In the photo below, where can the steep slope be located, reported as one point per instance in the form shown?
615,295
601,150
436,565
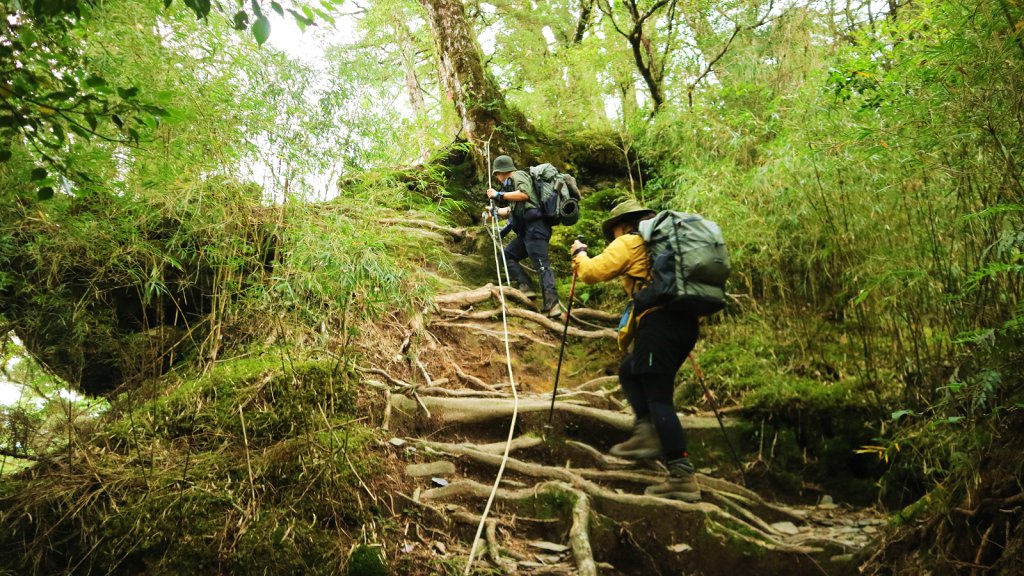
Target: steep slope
454,402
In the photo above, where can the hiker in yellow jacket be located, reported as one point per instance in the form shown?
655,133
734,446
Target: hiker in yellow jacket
663,340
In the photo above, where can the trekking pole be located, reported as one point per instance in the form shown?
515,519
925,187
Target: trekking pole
714,407
561,351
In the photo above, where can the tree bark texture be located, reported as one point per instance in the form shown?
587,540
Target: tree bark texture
583,24
412,83
476,98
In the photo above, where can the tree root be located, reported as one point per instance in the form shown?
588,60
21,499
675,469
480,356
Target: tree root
745,523
595,315
470,410
599,459
546,322
448,392
601,505
598,383
579,534
711,518
514,336
481,294
490,291
494,551
472,380
989,504
518,443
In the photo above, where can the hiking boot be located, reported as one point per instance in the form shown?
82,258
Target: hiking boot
642,445
551,306
554,310
527,291
680,484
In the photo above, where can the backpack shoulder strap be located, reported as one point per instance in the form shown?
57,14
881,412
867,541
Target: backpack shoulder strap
639,280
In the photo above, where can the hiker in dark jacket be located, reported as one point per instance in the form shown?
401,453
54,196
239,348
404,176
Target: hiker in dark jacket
518,202
663,340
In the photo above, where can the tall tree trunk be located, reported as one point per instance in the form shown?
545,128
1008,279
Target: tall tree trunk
627,91
477,100
412,84
648,59
586,11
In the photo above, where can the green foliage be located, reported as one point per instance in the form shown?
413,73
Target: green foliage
53,98
157,501
876,196
280,543
174,520
864,167
775,366
178,249
266,399
366,561
260,28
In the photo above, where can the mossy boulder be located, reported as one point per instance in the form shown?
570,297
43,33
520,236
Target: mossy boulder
259,401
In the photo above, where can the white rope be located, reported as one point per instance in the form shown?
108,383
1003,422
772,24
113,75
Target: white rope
495,242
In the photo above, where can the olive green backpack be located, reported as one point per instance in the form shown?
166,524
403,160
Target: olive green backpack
689,264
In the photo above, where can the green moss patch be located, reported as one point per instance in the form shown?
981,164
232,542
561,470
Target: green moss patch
258,401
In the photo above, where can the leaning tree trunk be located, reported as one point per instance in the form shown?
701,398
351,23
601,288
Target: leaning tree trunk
407,51
480,104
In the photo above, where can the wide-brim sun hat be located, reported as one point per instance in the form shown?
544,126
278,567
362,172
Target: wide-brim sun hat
624,210
503,164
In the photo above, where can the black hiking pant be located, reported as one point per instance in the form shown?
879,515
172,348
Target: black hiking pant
532,242
664,339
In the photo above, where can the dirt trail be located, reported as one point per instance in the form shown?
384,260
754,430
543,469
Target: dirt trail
563,506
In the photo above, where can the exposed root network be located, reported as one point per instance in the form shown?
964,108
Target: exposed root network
563,505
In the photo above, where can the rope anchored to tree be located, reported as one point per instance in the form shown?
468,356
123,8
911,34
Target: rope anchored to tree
499,265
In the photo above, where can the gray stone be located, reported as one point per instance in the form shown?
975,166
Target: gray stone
786,528
549,546
826,503
680,548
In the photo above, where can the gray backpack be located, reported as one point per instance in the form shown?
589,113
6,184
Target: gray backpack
557,194
689,264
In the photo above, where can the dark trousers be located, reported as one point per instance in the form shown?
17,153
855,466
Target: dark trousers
532,242
664,339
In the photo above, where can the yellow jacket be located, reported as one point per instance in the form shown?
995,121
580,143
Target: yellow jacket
625,257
